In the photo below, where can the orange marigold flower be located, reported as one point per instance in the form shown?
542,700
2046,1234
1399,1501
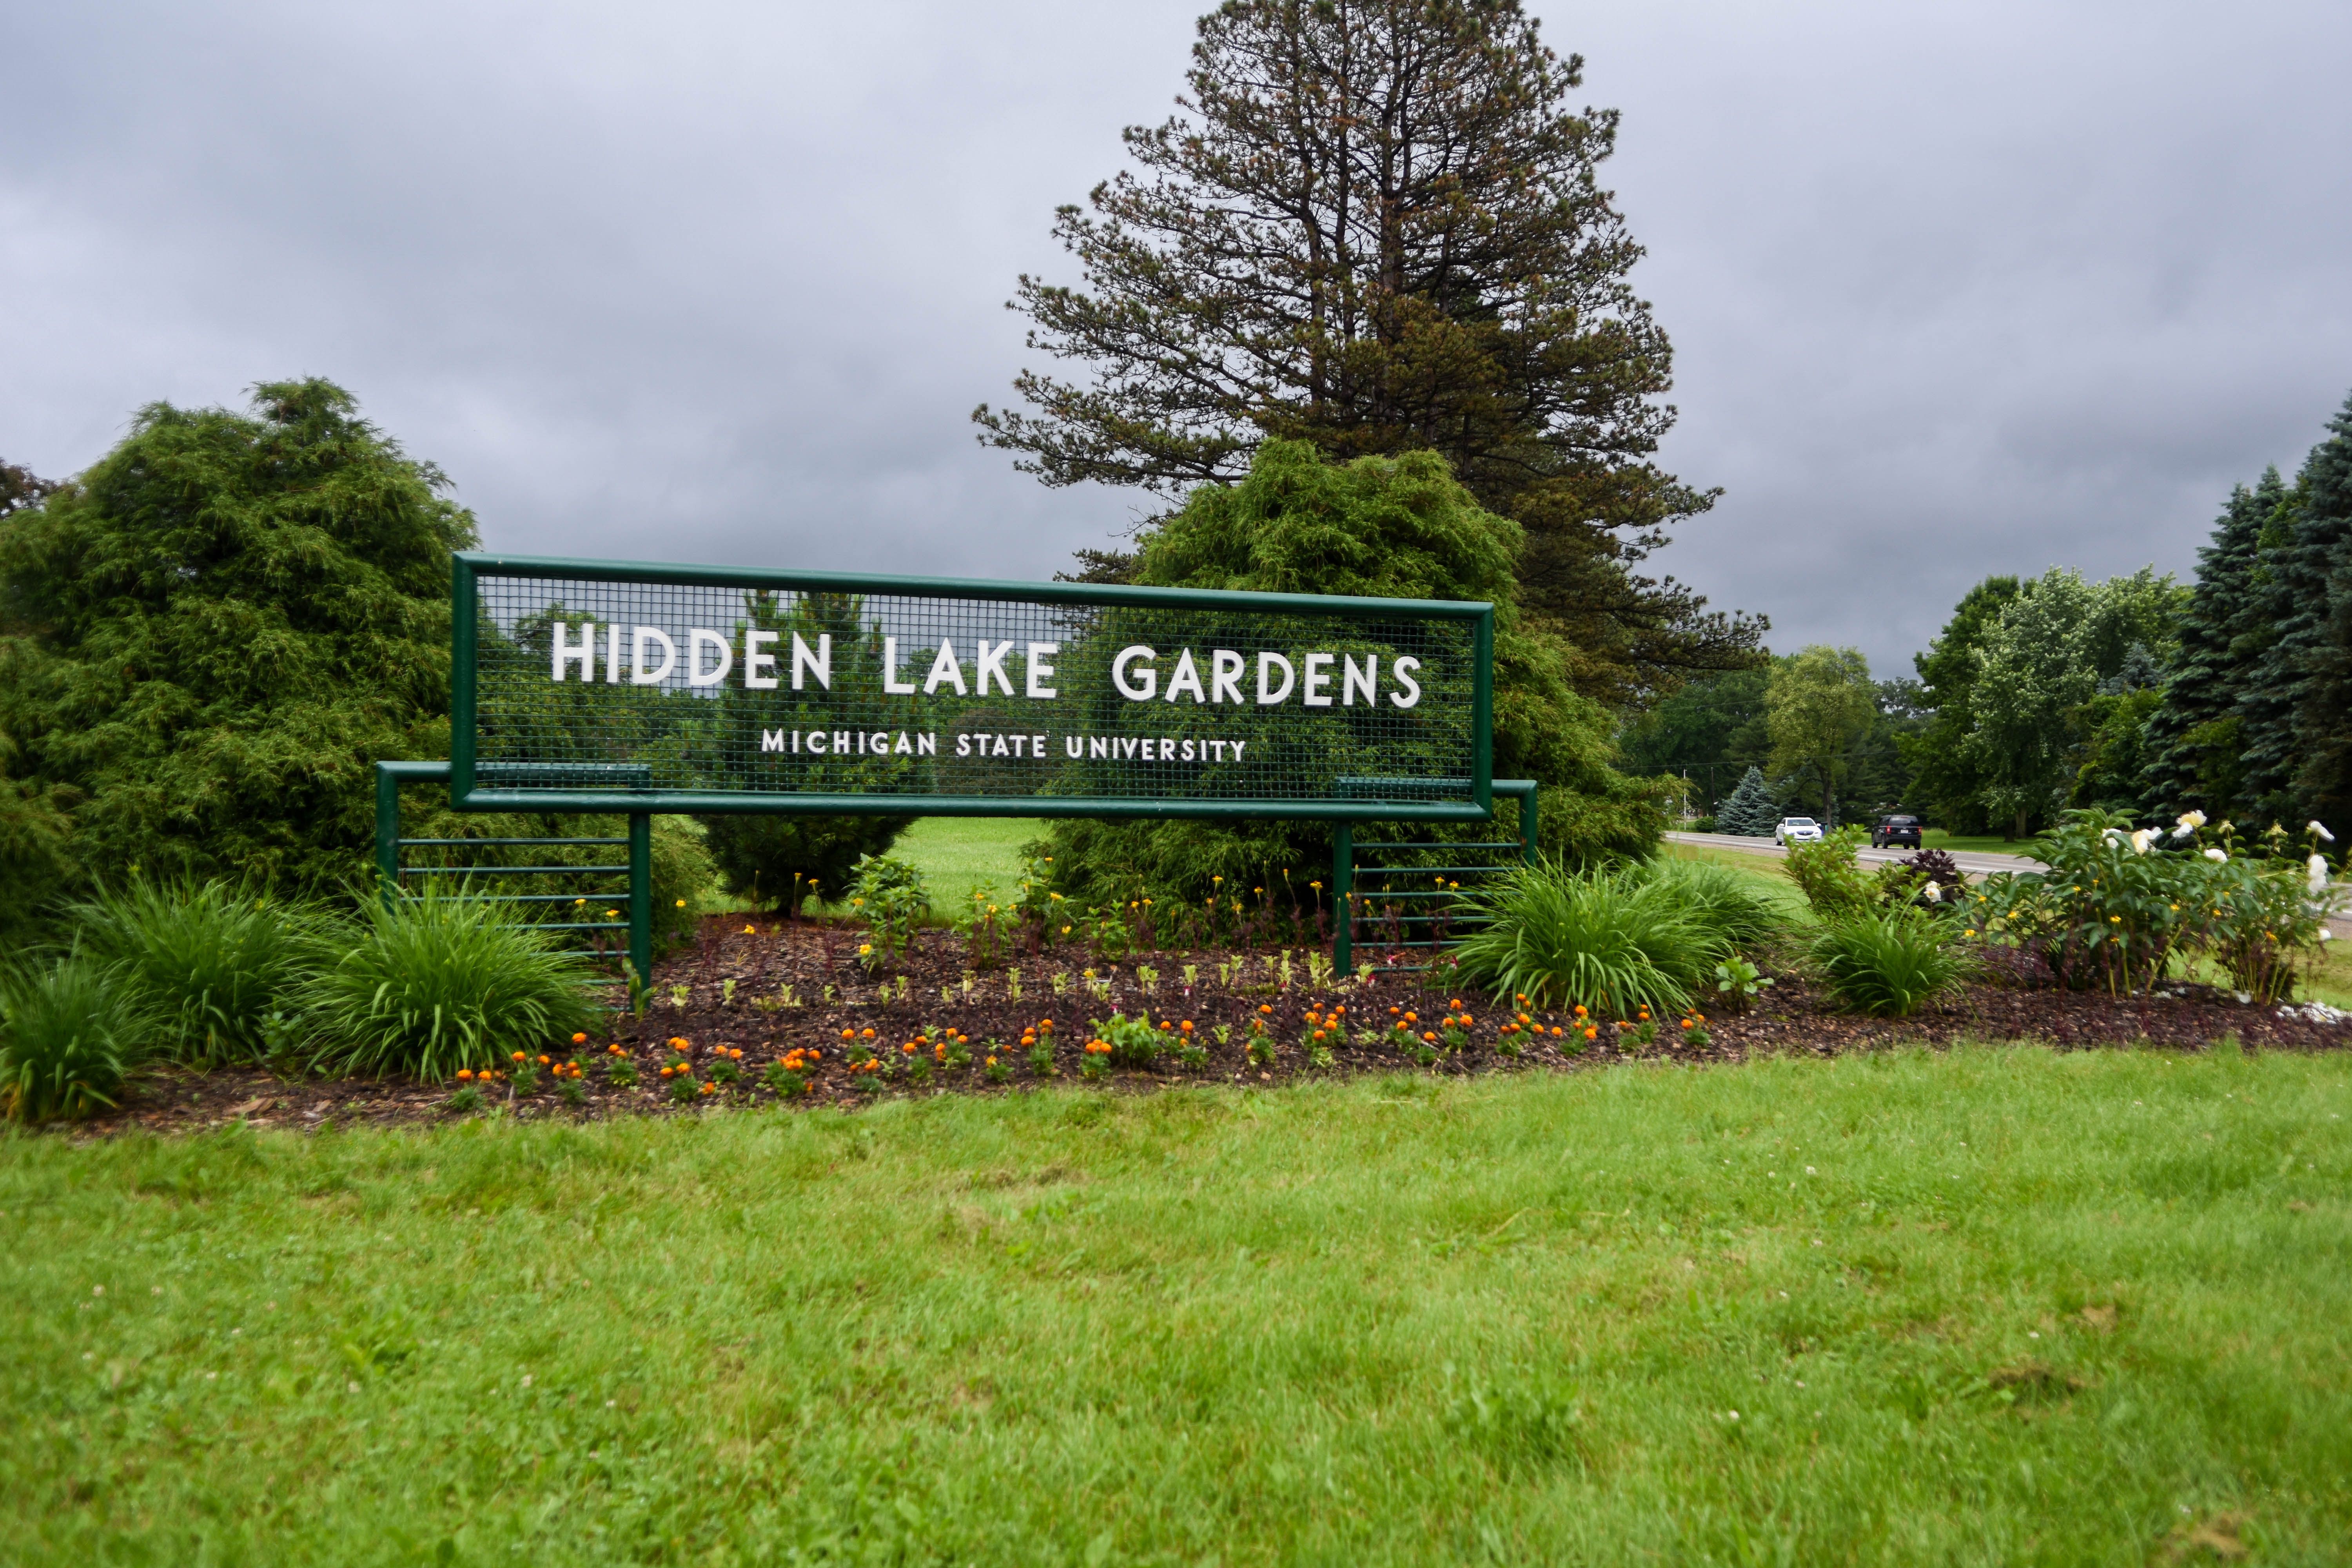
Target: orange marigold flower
1429,1037
518,1055
845,1034
1266,1007
1185,1027
579,1039
465,1074
735,1055
865,1033
1412,1017
542,1060
1580,1009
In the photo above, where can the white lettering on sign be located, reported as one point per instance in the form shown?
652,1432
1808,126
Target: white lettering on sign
1141,689
585,655
649,656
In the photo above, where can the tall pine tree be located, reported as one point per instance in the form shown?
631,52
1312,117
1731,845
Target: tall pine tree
1751,812
1379,226
2282,712
2193,738
2324,715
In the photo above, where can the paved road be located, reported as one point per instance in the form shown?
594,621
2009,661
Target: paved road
1975,862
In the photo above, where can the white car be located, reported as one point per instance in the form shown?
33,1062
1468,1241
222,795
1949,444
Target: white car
1797,830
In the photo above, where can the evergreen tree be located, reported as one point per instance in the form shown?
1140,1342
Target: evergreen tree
2324,715
1384,526
1751,812
2304,550
2192,739
1378,226
209,639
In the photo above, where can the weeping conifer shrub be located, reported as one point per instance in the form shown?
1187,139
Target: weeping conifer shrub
440,982
1890,962
1612,942
217,966
70,1034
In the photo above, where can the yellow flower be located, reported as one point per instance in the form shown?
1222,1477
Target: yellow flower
681,903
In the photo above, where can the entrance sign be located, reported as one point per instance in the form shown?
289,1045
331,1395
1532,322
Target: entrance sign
620,685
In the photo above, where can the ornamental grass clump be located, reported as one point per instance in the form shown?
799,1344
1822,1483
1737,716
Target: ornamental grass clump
1609,942
70,1034
1732,905
1888,962
439,982
218,966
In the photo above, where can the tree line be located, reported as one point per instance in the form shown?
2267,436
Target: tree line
2231,695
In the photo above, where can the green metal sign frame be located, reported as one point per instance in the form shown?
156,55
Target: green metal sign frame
476,784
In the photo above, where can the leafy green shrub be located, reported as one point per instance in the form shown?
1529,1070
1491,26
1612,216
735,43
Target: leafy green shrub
1889,962
1832,879
217,966
1133,1042
70,1034
440,982
2260,923
1612,942
777,861
888,895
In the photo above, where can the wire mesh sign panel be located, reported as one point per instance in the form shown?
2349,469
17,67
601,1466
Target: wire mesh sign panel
581,685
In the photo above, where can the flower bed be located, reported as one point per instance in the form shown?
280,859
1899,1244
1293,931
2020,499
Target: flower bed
756,1015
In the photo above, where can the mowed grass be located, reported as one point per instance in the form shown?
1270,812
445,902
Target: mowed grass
957,854
1998,1306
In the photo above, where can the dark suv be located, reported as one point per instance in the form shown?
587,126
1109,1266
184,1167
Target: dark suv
1894,830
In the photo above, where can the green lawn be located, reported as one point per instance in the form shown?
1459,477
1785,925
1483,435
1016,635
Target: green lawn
1999,1306
958,853
1982,843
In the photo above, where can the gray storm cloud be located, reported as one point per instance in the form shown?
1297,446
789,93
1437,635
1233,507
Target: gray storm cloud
1953,291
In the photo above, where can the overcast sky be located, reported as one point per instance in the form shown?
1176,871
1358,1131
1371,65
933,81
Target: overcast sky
1953,290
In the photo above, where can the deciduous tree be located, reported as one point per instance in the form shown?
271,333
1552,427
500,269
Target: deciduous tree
1819,707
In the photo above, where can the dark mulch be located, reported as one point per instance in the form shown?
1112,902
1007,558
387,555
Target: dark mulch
801,987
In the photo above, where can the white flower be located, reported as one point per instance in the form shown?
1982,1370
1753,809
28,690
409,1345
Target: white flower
2191,820
2315,871
2183,831
2141,839
2216,856
2324,836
